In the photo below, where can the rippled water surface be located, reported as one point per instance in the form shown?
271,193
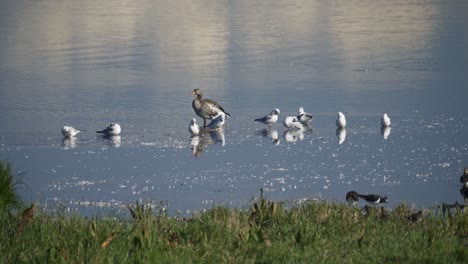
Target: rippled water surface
89,63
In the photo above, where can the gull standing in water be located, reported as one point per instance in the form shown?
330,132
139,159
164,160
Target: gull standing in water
112,130
291,122
206,108
341,121
304,117
193,128
385,120
269,119
69,131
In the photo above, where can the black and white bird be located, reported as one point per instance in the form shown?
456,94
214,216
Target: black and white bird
218,121
292,123
269,119
464,177
352,197
304,117
341,121
112,130
193,128
206,108
385,120
464,192
373,198
69,131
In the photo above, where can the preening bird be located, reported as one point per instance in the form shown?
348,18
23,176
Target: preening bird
385,120
112,130
292,123
341,121
304,117
218,121
69,131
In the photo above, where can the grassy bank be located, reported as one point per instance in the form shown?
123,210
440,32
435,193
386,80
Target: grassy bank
266,233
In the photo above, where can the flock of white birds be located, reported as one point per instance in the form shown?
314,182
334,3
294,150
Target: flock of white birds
209,109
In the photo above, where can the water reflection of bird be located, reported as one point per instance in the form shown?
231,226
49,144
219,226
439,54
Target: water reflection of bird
69,142
341,134
218,121
304,117
193,128
385,120
464,177
205,138
352,197
385,131
293,135
218,136
113,141
271,134
269,119
341,121
68,131
373,198
206,108
292,123
112,130
464,192
195,146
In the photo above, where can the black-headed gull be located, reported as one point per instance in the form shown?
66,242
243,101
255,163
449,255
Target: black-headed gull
193,128
341,121
304,117
218,121
385,120
69,131
291,122
269,119
112,130
206,108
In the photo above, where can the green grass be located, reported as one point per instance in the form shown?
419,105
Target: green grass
267,232
9,181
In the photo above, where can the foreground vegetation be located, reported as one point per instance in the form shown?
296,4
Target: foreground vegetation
265,233
9,182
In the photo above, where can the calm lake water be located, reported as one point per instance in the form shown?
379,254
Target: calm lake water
89,63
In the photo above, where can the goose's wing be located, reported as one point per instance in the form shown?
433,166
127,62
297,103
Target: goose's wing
214,104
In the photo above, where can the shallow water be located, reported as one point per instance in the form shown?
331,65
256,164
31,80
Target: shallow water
91,63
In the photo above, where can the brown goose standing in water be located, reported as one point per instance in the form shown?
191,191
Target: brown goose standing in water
206,108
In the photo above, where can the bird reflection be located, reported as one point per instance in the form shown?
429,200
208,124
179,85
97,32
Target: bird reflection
293,135
206,137
69,142
385,131
113,141
341,134
464,192
271,134
195,146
